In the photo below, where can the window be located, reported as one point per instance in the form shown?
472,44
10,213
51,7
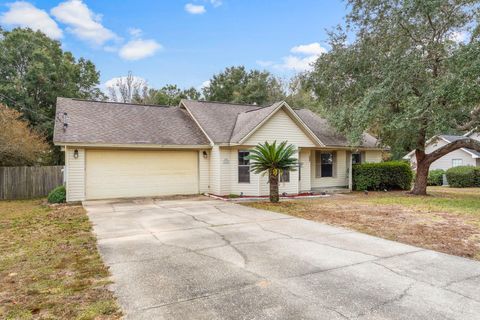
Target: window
285,177
457,162
243,167
324,164
356,158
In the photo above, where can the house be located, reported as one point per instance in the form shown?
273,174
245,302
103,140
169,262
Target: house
115,150
460,157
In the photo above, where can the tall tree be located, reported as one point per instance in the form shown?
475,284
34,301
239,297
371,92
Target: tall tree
301,94
402,74
236,84
19,144
127,89
34,71
169,95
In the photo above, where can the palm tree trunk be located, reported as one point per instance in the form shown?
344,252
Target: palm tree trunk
273,181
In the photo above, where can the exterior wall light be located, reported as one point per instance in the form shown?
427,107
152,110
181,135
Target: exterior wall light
75,154
205,155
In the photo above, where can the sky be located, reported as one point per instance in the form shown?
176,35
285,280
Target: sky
183,42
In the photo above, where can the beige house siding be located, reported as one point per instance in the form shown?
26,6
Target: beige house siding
341,175
340,178
215,170
231,180
373,156
305,171
75,174
280,127
204,171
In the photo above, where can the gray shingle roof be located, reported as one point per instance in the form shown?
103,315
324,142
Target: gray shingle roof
217,118
119,123
328,135
452,138
227,122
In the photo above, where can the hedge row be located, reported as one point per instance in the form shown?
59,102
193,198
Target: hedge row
463,177
435,177
391,175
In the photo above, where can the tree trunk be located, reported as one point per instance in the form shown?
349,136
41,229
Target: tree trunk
273,181
425,160
420,187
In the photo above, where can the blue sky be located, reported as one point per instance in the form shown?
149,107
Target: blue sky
183,42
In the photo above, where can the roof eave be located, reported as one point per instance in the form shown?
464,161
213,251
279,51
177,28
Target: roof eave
131,145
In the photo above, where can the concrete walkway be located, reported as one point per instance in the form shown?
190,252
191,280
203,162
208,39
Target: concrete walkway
204,259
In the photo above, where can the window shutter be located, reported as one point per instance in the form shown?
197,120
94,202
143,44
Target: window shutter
334,164
318,164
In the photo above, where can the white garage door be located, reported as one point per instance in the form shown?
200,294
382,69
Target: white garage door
119,173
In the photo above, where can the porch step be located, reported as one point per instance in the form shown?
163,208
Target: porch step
330,190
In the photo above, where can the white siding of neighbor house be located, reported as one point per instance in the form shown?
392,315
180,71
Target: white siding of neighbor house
475,135
75,171
204,171
280,127
445,162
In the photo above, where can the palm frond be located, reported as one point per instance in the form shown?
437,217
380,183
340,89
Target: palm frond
269,156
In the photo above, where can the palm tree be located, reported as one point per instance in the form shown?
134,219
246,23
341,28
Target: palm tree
273,159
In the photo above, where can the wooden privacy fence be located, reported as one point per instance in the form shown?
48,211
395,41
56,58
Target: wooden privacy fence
29,182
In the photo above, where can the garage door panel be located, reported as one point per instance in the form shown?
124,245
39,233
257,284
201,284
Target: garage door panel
118,173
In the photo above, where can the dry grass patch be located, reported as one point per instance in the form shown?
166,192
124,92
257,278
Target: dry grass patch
49,264
448,220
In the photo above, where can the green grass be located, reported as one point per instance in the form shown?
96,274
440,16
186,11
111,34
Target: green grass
49,264
443,199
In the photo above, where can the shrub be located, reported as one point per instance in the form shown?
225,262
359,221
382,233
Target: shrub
435,177
57,195
463,177
384,175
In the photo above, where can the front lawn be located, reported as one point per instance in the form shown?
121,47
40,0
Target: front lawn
49,264
448,220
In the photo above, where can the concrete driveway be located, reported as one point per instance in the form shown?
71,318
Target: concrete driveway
205,259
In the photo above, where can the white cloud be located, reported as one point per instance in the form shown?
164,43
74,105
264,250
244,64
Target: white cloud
459,36
299,64
205,84
139,49
264,63
302,59
135,32
216,3
82,22
195,9
309,49
25,15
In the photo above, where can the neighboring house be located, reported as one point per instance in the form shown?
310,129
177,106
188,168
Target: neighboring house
459,157
117,150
